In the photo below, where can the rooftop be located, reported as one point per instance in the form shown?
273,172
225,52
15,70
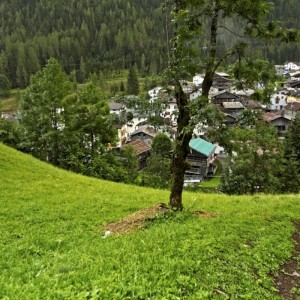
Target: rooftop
146,129
139,146
293,106
202,146
116,106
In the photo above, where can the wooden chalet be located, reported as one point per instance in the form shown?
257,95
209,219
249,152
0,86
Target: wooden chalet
292,110
280,121
232,108
221,82
201,160
142,151
145,134
218,99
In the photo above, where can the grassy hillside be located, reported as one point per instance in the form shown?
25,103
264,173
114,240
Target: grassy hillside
51,244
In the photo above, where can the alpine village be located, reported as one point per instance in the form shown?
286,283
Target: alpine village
150,149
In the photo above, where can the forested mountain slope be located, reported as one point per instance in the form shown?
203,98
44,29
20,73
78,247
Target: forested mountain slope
100,36
87,35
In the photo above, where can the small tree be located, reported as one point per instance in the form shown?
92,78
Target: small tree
255,162
10,133
290,175
129,161
88,121
132,82
162,145
42,107
158,171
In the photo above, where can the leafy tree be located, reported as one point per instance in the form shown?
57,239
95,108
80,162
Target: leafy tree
255,162
129,161
157,173
158,170
188,16
113,166
290,175
161,145
10,133
132,82
292,138
88,118
42,111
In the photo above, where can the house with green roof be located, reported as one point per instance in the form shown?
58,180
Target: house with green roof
201,160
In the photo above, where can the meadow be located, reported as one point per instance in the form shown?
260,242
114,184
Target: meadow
52,244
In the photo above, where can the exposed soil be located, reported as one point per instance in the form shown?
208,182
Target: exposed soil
288,281
139,218
136,220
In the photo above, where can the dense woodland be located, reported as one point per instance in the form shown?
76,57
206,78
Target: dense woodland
100,36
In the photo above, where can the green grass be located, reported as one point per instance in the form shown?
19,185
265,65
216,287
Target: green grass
215,181
51,245
9,103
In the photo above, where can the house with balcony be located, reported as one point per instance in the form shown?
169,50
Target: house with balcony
201,160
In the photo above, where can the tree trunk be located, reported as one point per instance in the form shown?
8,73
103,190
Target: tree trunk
184,129
184,135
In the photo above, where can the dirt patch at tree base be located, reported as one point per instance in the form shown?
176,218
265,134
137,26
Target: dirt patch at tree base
138,219
288,281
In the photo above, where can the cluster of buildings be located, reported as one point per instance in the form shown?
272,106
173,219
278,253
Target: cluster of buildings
284,105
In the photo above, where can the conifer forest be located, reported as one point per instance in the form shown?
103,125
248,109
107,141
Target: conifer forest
91,36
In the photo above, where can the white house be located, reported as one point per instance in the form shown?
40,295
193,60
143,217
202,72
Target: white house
153,93
290,66
195,94
187,86
170,110
278,100
198,79
116,108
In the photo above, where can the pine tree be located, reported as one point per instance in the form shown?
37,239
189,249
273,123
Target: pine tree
132,82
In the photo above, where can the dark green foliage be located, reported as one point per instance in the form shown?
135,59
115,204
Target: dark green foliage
291,172
10,133
118,167
162,145
255,162
158,171
260,162
69,130
107,35
132,82
84,35
129,161
157,174
293,138
4,85
42,112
